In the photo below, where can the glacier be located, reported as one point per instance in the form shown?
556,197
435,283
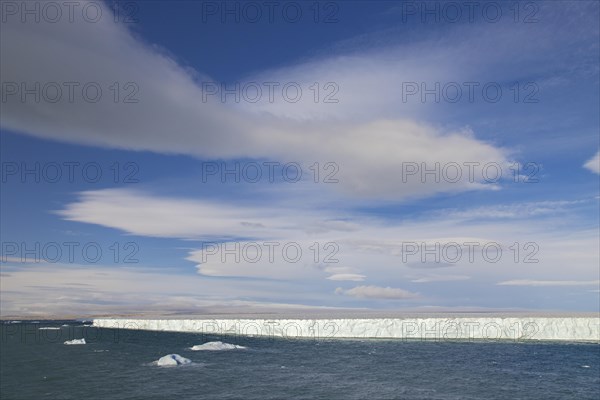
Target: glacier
519,328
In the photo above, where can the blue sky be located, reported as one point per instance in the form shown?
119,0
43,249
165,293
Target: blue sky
388,90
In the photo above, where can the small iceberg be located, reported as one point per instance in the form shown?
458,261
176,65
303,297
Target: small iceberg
49,328
75,341
172,360
216,346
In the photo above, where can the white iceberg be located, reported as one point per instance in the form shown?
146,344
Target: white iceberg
49,328
75,341
216,346
172,360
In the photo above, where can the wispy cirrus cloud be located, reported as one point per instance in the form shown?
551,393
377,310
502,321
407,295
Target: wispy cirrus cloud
532,282
517,210
347,277
376,292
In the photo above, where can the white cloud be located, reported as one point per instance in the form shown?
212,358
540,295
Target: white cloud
376,292
371,77
347,277
69,290
276,259
370,134
139,213
531,282
515,210
593,164
361,245
171,116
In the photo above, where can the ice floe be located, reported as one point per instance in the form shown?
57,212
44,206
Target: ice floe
216,346
75,341
172,360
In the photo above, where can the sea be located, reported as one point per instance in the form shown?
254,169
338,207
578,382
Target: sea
121,364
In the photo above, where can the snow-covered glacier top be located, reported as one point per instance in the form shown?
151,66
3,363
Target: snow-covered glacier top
458,328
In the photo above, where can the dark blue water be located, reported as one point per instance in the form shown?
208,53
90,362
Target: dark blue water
35,364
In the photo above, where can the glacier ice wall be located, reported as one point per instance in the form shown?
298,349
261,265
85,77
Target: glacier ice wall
461,328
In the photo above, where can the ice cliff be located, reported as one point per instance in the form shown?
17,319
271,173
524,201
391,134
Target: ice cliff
460,328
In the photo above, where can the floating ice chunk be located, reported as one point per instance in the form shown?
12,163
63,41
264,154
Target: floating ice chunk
49,328
215,346
171,360
585,366
75,341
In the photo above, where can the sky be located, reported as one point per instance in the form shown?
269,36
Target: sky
194,156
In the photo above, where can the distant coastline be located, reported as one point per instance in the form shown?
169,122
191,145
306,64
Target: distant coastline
316,313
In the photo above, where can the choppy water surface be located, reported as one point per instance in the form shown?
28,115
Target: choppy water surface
35,364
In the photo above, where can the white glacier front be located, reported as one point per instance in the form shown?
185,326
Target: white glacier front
459,328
